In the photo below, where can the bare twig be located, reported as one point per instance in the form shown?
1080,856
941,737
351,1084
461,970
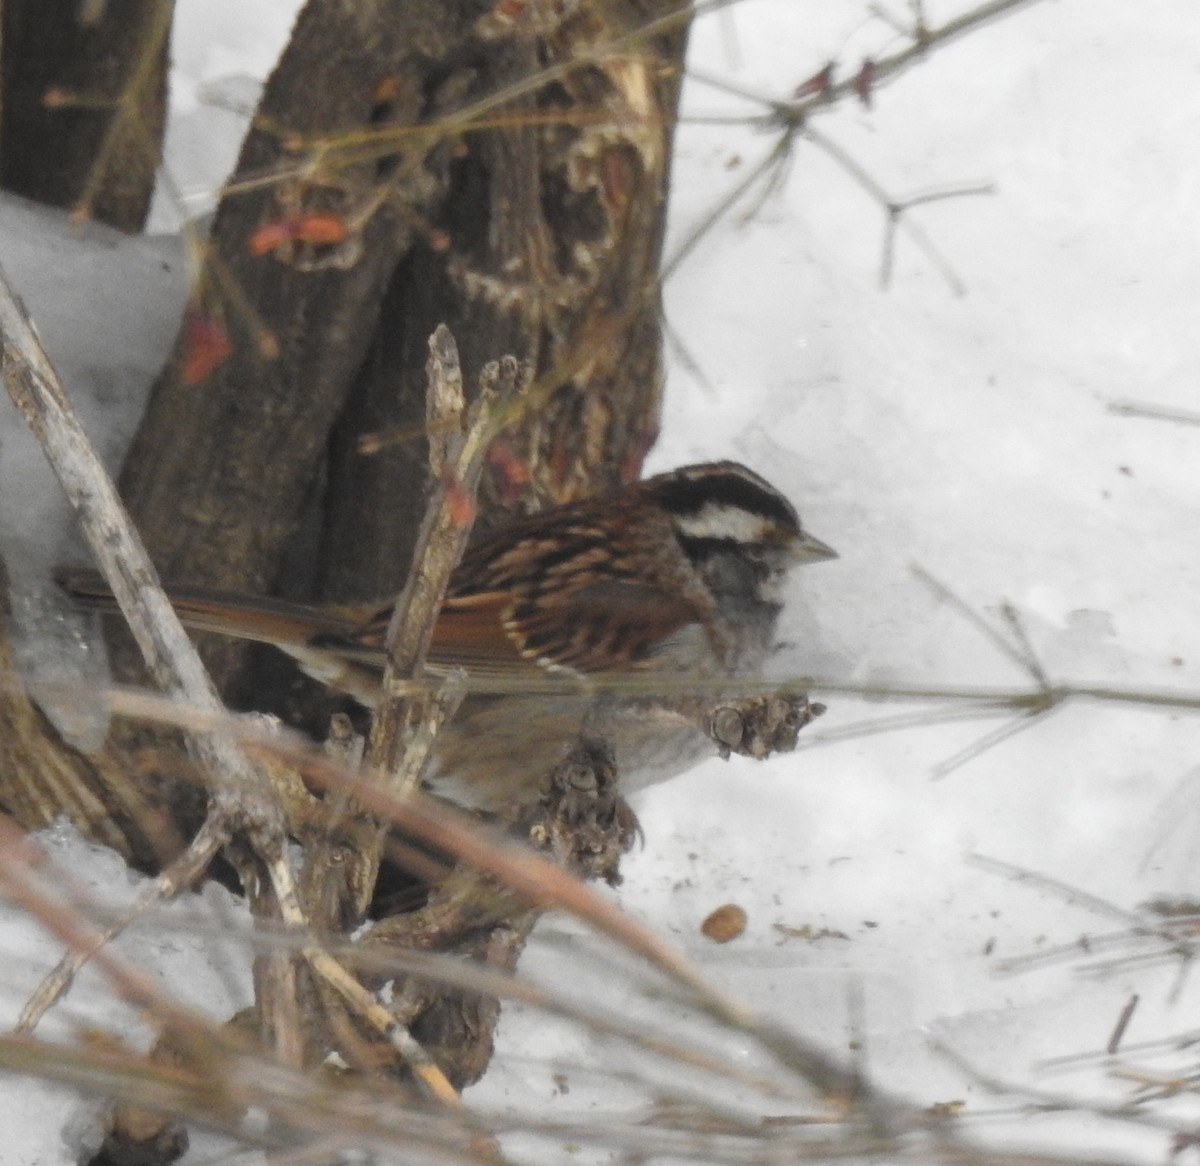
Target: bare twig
897,217
1118,1032
1023,644
899,722
410,714
923,38
240,791
541,879
1004,732
543,884
768,167
1102,1058
126,124
424,1069
1138,923
1020,649
458,441
21,866
1154,412
895,211
547,887
1088,946
179,876
1052,1102
973,701
793,119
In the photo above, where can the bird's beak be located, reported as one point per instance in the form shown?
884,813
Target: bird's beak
811,550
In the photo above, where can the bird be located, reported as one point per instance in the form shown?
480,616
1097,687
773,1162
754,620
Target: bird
621,613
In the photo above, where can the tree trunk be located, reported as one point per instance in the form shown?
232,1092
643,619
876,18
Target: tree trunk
83,93
508,180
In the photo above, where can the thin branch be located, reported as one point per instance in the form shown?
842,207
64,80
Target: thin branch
1086,945
1118,1032
895,210
1101,1058
386,959
22,864
548,887
179,876
545,885
126,121
1137,923
240,790
424,1068
793,118
1052,1102
897,217
1020,650
899,722
979,699
1020,653
888,68
897,1114
1154,412
458,442
990,740
1023,644
776,157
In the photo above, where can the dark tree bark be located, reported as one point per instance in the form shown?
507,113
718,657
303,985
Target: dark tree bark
505,177
549,236
83,91
219,471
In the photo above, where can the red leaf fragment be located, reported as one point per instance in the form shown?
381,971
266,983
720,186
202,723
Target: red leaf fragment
316,227
818,84
206,346
386,89
512,474
459,502
864,81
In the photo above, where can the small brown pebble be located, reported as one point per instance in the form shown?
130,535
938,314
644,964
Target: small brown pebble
955,1108
725,923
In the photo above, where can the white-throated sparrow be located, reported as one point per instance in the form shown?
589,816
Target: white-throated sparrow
673,583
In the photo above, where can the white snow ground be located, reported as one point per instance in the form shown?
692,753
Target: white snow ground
969,435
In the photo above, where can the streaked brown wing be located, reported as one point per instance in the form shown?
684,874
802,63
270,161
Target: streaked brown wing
569,620
566,590
613,625
469,634
604,628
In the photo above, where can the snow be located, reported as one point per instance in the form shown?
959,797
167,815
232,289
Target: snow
967,435
193,946
107,360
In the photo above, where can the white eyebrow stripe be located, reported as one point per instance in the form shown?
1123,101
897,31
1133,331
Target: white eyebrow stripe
714,520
